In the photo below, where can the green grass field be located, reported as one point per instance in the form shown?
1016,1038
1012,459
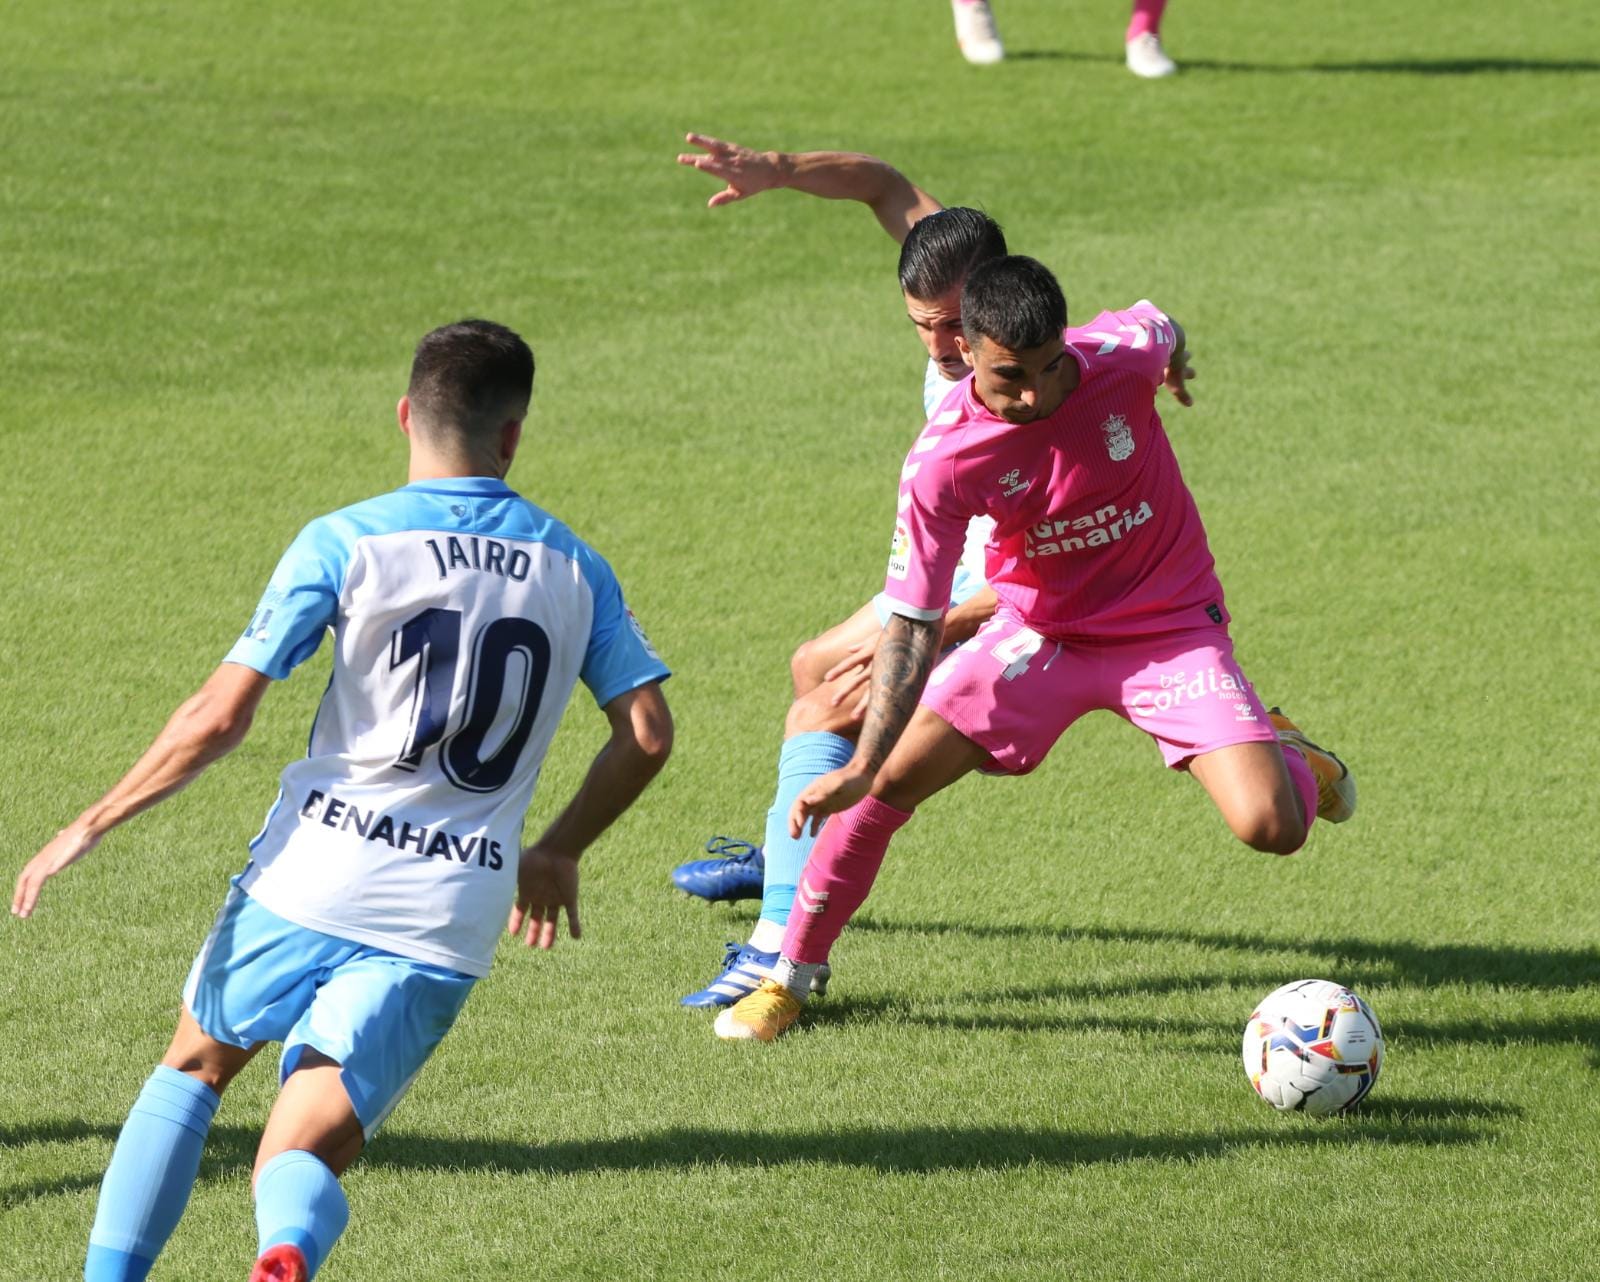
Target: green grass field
222,230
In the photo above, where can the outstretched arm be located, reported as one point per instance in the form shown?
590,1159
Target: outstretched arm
207,726
900,670
897,203
547,875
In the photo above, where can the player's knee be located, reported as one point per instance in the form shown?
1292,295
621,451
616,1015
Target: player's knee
1270,830
805,668
209,1072
199,1056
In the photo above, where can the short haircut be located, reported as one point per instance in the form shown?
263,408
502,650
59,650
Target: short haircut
1014,302
942,248
468,380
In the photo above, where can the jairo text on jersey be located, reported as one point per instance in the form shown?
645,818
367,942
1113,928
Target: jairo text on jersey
487,556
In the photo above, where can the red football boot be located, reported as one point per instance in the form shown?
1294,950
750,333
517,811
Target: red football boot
281,1263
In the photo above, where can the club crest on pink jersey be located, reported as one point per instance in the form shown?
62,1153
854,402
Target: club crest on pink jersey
1119,439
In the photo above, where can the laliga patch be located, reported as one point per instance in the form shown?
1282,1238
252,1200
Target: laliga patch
900,552
638,631
256,629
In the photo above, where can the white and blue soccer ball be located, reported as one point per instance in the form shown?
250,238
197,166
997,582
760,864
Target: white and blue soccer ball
1313,1046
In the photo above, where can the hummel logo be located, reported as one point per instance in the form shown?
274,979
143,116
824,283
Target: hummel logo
1013,485
809,900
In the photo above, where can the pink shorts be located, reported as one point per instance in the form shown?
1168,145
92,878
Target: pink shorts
1012,692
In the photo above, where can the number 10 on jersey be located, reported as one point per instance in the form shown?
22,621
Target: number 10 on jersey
432,640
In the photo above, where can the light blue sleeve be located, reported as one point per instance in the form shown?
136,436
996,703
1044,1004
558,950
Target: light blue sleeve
934,387
620,657
300,604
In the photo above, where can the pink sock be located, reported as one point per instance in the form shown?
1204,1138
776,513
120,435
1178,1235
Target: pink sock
1146,17
838,877
1305,783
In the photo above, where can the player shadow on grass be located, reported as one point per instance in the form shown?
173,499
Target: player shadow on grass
909,1150
1256,968
234,1156
1359,961
1563,1030
1466,66
914,1150
49,1131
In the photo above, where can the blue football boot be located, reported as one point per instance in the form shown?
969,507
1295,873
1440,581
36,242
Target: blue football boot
736,872
743,969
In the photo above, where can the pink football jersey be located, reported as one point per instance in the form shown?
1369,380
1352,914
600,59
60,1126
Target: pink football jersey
1096,535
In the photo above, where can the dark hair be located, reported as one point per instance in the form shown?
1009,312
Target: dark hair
942,248
469,379
1013,301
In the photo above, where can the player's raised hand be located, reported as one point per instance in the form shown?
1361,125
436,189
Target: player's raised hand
745,172
61,851
547,882
838,790
1179,372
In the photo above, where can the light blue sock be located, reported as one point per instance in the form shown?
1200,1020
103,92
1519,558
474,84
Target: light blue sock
298,1200
151,1173
804,758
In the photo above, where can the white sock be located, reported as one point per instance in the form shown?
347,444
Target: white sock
795,976
767,937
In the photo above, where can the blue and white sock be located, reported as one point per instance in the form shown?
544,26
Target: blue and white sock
299,1201
804,758
150,1177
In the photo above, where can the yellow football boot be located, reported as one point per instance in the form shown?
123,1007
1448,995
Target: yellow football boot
1336,786
761,1015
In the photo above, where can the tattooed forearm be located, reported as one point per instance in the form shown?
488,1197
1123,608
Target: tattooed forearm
899,671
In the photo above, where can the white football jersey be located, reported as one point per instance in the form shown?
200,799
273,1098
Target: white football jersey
462,617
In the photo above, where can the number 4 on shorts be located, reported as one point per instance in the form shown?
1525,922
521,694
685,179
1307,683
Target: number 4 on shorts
1016,651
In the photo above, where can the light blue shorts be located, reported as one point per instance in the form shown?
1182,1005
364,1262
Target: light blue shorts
259,978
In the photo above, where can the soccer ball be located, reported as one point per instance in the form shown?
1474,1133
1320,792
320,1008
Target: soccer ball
1312,1046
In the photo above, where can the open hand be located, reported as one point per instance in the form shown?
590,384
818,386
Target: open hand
859,655
851,675
61,851
745,172
838,790
547,882
1179,371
